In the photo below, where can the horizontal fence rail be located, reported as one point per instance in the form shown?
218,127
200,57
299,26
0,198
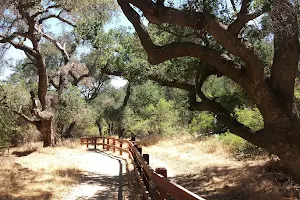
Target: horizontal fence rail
153,184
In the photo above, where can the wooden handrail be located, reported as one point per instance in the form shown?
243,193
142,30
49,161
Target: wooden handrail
143,171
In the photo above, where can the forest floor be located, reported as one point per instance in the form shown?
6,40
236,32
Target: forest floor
64,173
215,174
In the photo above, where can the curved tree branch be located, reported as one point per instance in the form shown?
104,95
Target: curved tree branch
242,20
42,19
250,77
159,14
159,54
206,105
59,47
44,11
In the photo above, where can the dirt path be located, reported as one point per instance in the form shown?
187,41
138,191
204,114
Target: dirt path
103,175
103,178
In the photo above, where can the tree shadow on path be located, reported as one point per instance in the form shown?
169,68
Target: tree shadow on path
106,187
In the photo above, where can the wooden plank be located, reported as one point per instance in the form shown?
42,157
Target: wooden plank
174,190
119,148
145,193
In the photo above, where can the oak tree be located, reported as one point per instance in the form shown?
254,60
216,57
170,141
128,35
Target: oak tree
223,46
23,25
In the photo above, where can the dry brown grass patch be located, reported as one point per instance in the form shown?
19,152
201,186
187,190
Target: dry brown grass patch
21,183
38,175
69,143
208,169
150,140
72,173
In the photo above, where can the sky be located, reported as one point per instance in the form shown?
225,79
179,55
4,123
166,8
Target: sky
55,27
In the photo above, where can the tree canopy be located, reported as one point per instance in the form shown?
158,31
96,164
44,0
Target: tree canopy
260,59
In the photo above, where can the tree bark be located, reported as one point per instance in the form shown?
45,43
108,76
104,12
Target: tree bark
42,114
99,126
284,140
110,127
45,127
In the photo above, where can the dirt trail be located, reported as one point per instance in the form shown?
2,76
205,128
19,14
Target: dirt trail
103,175
103,178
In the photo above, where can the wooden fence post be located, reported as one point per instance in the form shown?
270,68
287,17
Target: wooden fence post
121,144
103,141
133,138
87,143
140,150
162,171
107,142
160,193
114,143
95,143
144,175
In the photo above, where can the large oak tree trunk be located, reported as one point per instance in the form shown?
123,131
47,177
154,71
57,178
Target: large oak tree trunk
289,154
282,138
292,165
45,127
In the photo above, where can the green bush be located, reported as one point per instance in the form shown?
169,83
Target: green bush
161,119
73,108
238,145
250,118
203,123
12,127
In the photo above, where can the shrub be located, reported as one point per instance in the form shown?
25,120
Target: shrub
238,145
73,108
161,119
251,118
203,123
12,126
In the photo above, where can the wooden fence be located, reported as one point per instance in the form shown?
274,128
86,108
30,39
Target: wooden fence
153,183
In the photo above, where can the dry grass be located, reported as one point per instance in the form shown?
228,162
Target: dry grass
69,143
20,183
25,176
211,171
150,140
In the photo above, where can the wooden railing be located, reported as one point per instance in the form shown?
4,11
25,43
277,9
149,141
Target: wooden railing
154,184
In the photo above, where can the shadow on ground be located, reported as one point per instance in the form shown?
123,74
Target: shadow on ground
122,186
23,153
249,182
